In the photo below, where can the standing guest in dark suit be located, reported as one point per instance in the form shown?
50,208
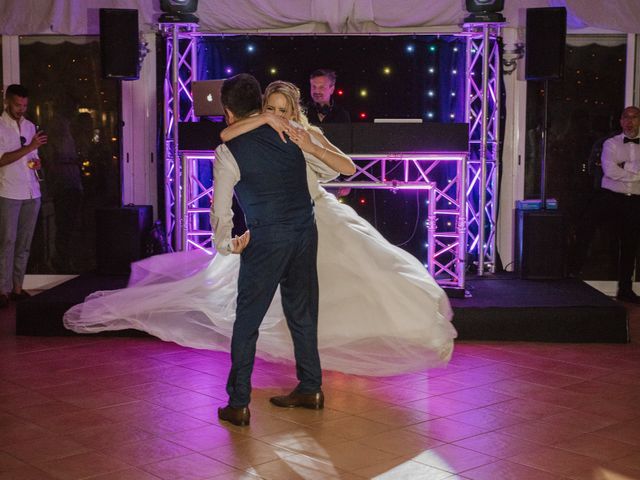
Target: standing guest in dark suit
323,108
621,184
270,181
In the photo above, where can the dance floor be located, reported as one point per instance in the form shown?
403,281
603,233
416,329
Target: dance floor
138,408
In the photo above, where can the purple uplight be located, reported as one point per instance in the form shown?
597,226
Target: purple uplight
228,70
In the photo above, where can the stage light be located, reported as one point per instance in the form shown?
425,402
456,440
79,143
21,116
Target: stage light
273,71
228,70
363,92
410,48
251,48
340,92
483,11
363,115
178,11
386,70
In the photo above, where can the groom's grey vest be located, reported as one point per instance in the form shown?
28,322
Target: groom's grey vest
273,180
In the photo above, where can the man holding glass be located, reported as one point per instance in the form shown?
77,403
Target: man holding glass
19,191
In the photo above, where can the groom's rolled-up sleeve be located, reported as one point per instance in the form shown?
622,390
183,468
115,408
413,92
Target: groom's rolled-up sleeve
225,176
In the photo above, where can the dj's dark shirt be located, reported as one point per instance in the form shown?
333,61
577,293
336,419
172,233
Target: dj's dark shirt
333,114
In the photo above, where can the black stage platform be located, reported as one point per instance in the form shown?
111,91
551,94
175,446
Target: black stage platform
502,307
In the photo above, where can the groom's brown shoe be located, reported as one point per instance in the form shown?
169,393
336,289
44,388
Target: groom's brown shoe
314,401
239,416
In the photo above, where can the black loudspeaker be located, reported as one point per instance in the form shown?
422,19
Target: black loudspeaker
540,244
120,237
119,43
545,43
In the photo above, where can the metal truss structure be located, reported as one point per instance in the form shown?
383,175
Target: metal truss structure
445,225
185,195
180,71
483,113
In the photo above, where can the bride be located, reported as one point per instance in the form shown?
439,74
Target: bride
380,312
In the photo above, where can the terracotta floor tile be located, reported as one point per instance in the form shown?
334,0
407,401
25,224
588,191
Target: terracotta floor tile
631,461
351,455
597,447
623,432
149,450
478,396
243,454
26,473
43,449
81,466
9,462
305,440
204,438
557,461
352,428
454,459
188,467
486,417
542,433
504,470
294,467
400,442
439,406
447,430
127,474
398,417
109,435
405,469
497,444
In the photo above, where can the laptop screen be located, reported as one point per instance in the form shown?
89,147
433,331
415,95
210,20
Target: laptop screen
206,98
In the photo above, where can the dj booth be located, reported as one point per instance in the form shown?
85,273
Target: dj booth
390,156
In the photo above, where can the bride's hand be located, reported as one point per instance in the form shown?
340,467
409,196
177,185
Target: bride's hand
279,124
301,138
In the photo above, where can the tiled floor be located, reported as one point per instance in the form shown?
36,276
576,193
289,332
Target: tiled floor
139,408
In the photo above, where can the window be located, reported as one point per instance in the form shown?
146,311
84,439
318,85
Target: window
584,108
80,113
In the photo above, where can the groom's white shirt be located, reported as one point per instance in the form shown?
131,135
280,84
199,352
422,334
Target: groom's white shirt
226,174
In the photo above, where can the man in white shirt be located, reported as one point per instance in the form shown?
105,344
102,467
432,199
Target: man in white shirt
19,191
621,183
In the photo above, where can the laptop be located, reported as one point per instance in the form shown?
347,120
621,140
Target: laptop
206,98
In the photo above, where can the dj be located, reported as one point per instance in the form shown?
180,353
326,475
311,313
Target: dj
323,108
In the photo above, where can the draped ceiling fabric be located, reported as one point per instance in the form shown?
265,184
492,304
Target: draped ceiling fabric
73,17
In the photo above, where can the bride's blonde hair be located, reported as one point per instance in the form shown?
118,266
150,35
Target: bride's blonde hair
292,95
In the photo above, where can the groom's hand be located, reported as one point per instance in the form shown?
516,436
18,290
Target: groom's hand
239,243
279,124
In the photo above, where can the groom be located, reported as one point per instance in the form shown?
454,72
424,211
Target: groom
269,179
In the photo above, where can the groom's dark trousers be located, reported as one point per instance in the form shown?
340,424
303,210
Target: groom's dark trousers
282,251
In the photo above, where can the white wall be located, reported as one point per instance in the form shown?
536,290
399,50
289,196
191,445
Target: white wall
139,153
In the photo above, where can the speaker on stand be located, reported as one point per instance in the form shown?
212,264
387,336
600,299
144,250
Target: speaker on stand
544,60
540,237
119,44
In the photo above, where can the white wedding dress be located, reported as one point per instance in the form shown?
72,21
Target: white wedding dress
381,313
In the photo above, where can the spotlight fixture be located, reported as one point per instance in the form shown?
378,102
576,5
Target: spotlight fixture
484,11
178,11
